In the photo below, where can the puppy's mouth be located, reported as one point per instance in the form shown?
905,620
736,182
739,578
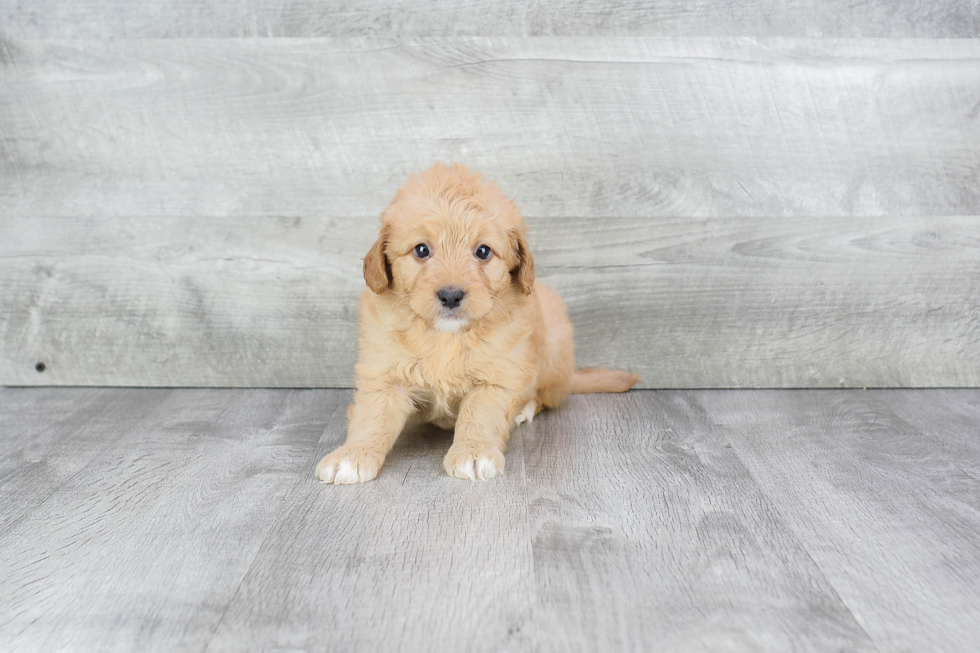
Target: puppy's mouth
450,322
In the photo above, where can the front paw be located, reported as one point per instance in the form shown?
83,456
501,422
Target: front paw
473,463
348,464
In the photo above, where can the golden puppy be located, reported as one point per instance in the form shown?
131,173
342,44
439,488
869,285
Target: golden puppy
455,330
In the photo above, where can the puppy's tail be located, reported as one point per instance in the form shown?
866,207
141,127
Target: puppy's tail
597,379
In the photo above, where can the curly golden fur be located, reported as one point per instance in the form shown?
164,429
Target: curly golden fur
452,339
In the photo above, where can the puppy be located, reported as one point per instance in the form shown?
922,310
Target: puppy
456,331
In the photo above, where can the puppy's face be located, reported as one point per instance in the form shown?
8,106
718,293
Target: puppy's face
454,246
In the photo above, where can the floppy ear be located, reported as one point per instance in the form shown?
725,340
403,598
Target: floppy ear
523,274
377,270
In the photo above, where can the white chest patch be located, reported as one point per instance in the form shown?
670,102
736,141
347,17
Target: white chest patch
449,324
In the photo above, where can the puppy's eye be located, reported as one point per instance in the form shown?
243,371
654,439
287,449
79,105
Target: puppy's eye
421,251
483,252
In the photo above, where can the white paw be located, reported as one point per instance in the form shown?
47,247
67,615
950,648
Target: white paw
527,413
473,465
348,465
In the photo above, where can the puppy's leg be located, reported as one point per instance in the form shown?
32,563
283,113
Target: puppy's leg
376,420
558,362
485,419
527,413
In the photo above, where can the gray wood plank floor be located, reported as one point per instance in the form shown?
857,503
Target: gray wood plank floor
189,520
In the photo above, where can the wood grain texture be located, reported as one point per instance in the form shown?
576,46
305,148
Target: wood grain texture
589,127
731,302
410,18
951,419
142,546
744,521
882,509
643,482
182,302
192,211
414,560
43,451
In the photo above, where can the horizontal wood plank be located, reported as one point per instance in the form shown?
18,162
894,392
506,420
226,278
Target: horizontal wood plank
193,212
409,18
731,302
590,126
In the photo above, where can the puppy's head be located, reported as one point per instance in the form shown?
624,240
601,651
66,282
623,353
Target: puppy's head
454,246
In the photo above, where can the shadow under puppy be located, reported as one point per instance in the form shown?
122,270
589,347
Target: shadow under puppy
456,331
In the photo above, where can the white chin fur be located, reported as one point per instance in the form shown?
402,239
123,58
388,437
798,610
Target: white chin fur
449,324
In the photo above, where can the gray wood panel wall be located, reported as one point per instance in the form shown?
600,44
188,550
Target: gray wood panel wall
97,19
725,198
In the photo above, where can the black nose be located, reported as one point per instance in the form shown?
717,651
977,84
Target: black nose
451,296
